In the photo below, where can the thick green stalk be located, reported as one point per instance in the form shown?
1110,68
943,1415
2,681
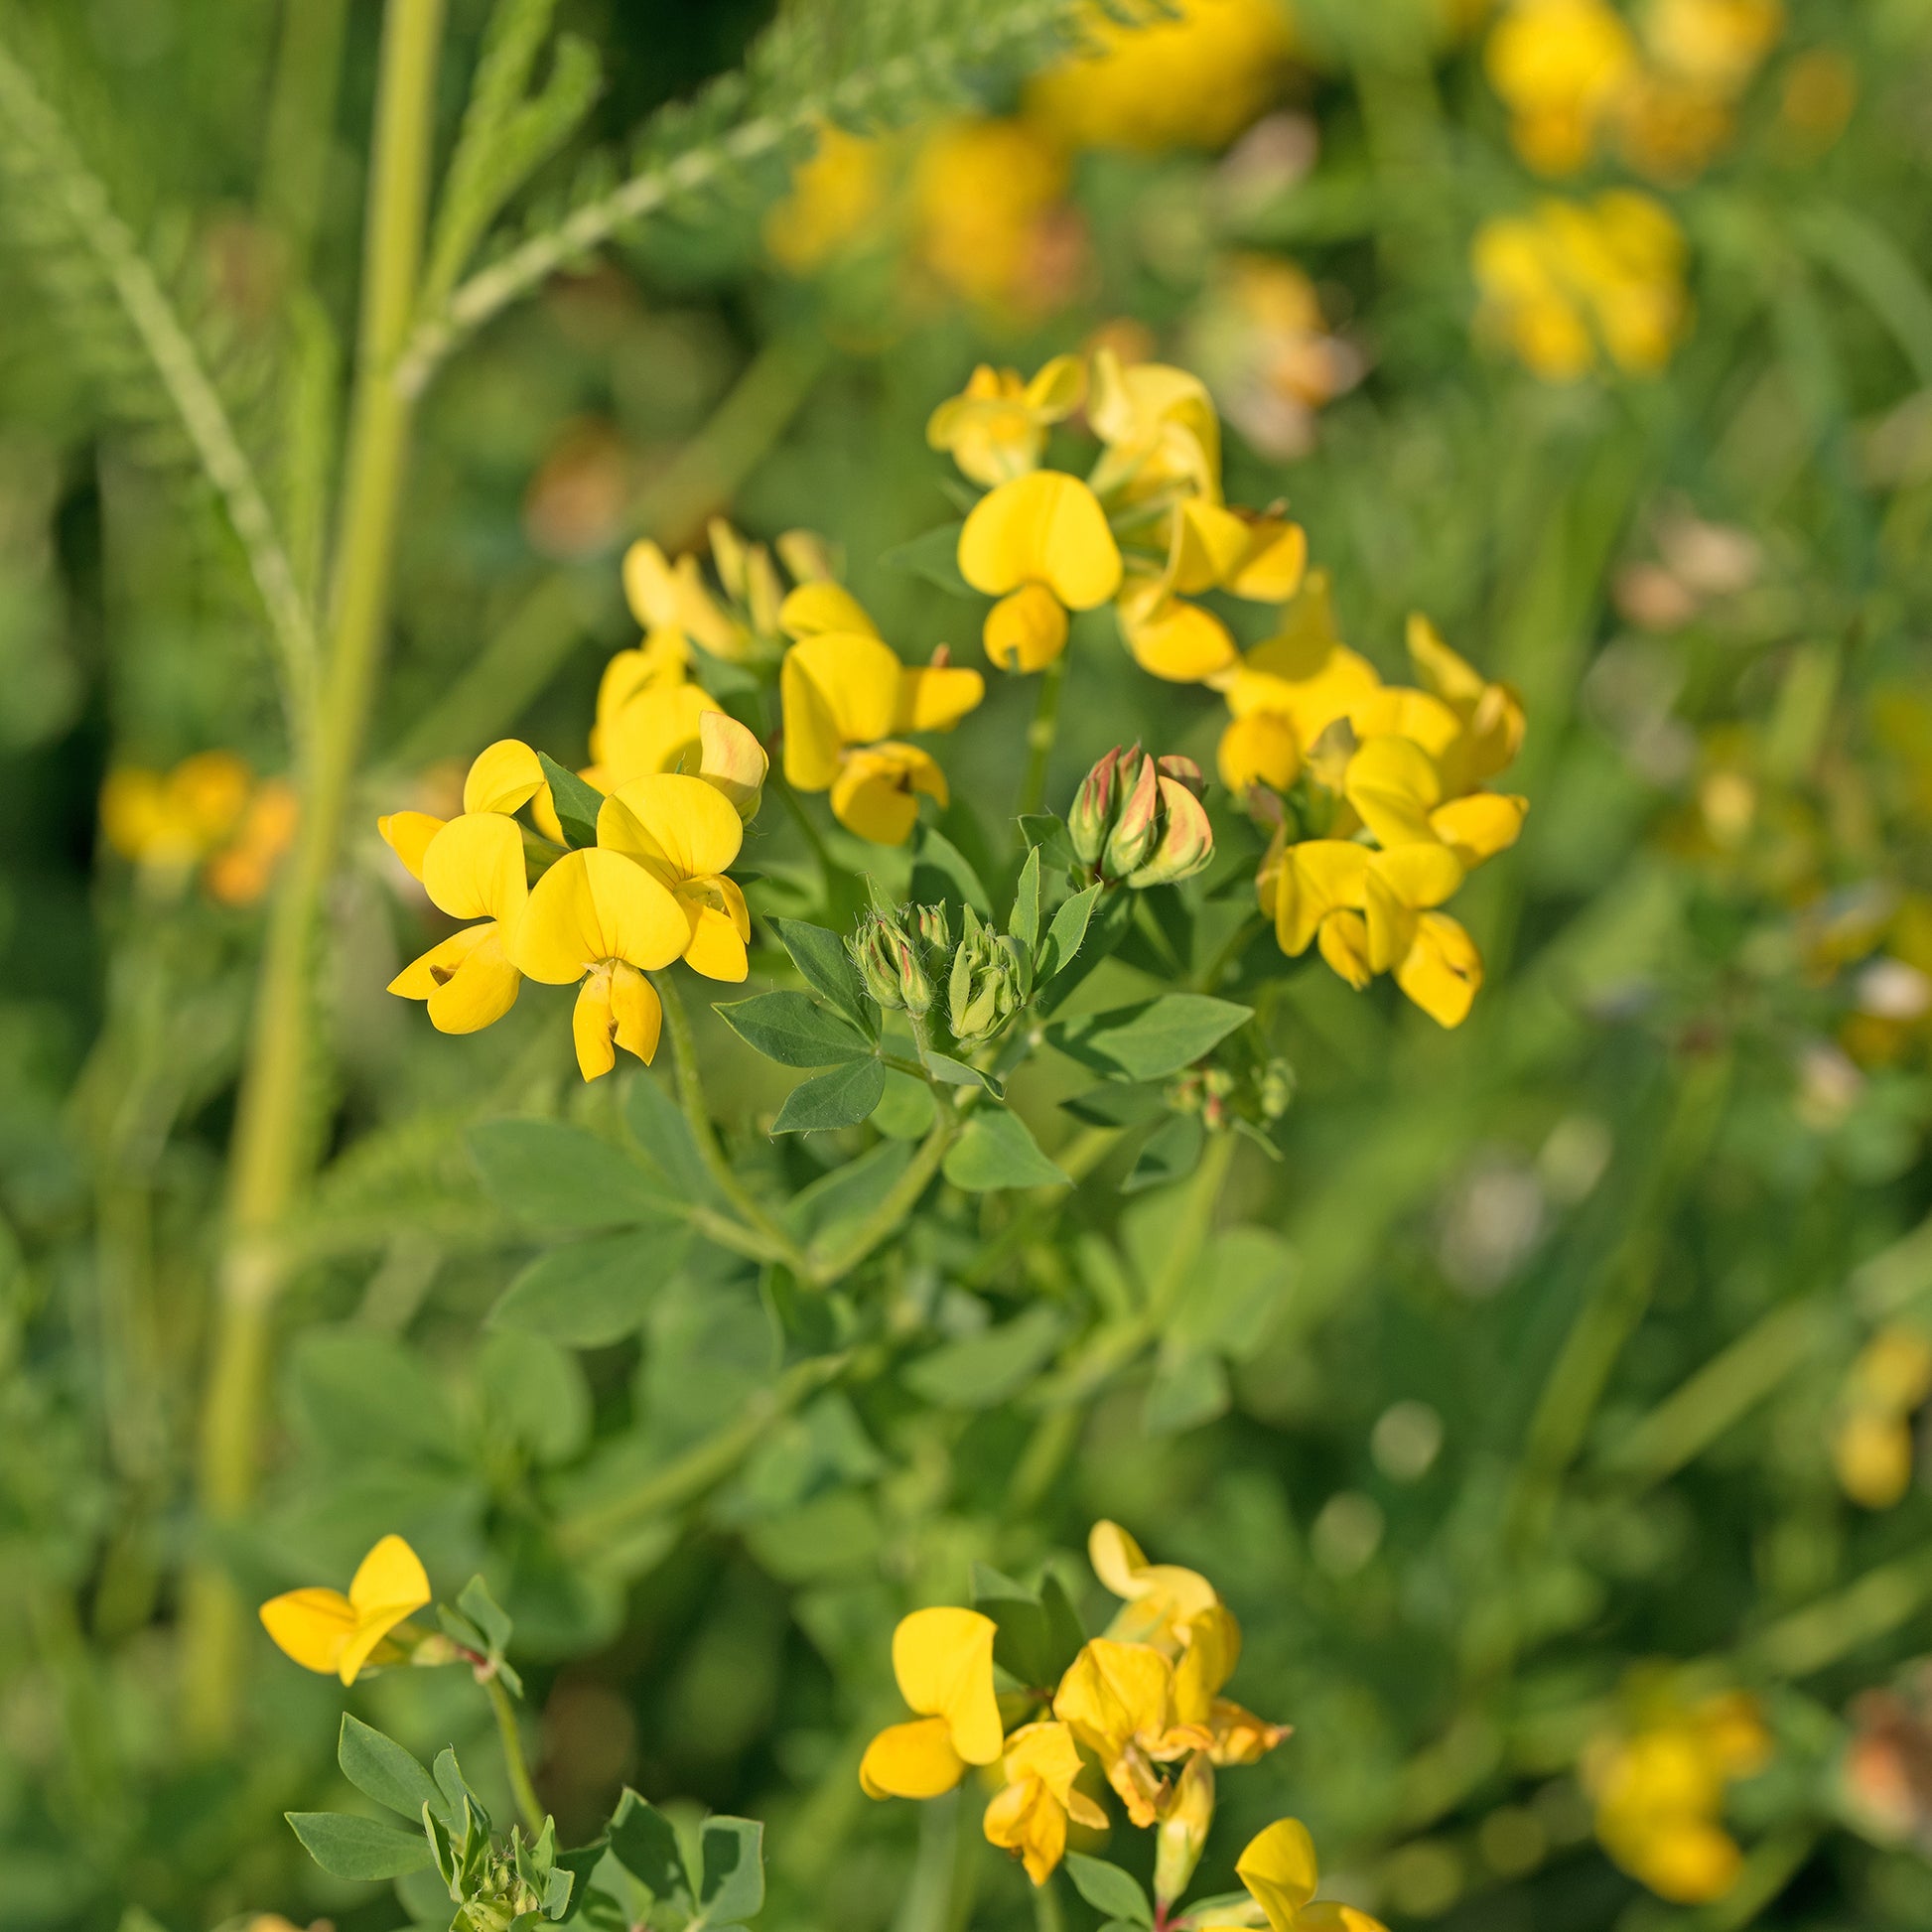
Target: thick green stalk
515,1766
1040,735
272,1126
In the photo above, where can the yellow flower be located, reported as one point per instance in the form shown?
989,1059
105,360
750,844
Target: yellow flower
1041,545
1160,1598
1279,1871
173,820
685,833
836,198
1118,1699
1492,714
672,604
1029,1815
1718,45
1211,1647
1571,282
987,196
842,692
601,918
472,868
1872,1448
1163,436
1659,1793
996,428
240,872
324,1630
943,1661
1561,67
1193,82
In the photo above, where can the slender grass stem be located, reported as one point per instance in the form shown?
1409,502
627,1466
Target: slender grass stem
515,1764
1042,735
886,1219
274,1117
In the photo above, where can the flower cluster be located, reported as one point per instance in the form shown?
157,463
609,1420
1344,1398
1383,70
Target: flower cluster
1577,79
209,814
1572,284
1146,530
1659,1788
1138,1709
1873,1447
1377,797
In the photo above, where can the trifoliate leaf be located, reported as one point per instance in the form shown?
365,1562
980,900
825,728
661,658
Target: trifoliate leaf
842,1098
1151,1040
347,1846
794,1030
995,1149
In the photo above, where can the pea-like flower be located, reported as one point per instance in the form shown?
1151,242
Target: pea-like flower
1280,1872
1160,1598
1118,1699
472,868
686,834
1029,1815
327,1632
943,1661
845,693
996,428
1042,545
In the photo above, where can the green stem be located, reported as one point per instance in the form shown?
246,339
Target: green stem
697,1116
886,1219
1237,943
1040,735
528,1805
274,1115
301,117
1047,1915
802,818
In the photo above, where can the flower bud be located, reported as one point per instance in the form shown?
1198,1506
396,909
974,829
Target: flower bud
807,556
1186,839
763,593
1093,806
1183,771
728,557
1137,823
1275,1091
731,758
987,983
888,964
934,928
1184,1823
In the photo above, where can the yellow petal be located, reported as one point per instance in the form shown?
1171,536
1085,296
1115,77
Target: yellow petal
676,825
654,732
1213,1648
596,904
593,1025
1113,1692
407,835
1059,389
1259,749
481,988
1239,1737
934,697
1450,677
637,1013
1442,971
943,1660
1026,631
1024,1819
1392,783
1274,564
650,586
1395,711
731,758
1400,884
876,791
663,660
311,1626
1116,1558
503,776
719,926
663,597
915,1760
1179,641
1330,1915
1210,545
813,609
1047,529
1317,878
837,688
391,1578
473,869
419,979
1277,1868
1343,940
1480,826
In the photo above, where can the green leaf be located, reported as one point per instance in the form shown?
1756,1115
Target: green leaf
592,1292
933,557
956,1074
1243,1277
489,1617
731,1851
1107,1888
1045,834
563,1179
1186,1390
982,1370
665,1134
1065,1634
794,1030
1121,1103
1024,921
995,1149
909,1109
940,871
842,1098
1068,931
1170,1153
534,1393
1023,1646
848,1191
577,803
644,1843
1151,1040
363,1395
379,1768
346,1847
820,955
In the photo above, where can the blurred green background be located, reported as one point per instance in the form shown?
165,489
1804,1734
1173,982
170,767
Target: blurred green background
1562,1371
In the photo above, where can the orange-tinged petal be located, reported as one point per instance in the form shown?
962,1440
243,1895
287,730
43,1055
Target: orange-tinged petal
875,794
943,1661
502,777
813,609
676,825
407,835
1279,1870
311,1626
481,988
731,758
1315,878
915,1760
1045,527
1026,631
934,697
1239,1737
1443,970
1392,783
1259,749
594,905
473,869
1480,826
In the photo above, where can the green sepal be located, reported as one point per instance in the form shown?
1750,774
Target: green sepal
577,803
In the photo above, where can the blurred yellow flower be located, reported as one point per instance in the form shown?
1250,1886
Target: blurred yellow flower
1574,283
1029,1815
1561,67
943,1661
1277,1868
1193,82
326,1632
838,196
1872,1447
243,869
996,428
990,218
1658,1789
842,691
209,812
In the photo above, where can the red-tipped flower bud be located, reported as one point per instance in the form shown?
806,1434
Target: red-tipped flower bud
1186,839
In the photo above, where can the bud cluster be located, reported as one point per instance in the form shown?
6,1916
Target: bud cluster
1139,821
988,982
892,963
